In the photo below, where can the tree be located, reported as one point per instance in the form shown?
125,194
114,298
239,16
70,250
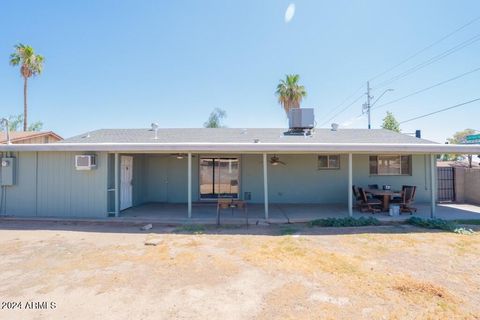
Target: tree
390,123
15,122
290,94
36,126
215,119
457,138
31,64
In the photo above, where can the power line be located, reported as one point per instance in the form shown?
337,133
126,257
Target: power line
428,88
441,110
344,101
430,61
425,48
343,110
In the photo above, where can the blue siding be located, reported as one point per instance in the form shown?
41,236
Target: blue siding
300,181
48,185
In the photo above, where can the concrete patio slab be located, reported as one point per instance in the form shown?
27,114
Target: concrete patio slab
282,213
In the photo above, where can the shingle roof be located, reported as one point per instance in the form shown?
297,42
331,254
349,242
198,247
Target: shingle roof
234,135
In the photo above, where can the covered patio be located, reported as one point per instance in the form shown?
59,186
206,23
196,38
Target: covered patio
280,177
282,213
293,189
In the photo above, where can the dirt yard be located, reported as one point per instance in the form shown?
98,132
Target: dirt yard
286,272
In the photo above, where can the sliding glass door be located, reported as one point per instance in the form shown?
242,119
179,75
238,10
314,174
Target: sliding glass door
219,178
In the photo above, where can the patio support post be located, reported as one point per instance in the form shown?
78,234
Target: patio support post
189,185
117,184
433,185
350,184
265,184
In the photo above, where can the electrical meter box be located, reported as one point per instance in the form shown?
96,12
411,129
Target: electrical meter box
7,171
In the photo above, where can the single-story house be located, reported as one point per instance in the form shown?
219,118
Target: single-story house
101,173
30,137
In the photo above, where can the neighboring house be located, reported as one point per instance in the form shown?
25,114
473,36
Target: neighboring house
131,167
27,137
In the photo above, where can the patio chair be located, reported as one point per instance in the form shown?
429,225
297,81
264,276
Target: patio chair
369,204
398,199
357,196
408,197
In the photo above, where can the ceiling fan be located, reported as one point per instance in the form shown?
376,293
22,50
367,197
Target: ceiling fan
276,161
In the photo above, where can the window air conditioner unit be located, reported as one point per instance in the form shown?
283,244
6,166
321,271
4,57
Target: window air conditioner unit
85,162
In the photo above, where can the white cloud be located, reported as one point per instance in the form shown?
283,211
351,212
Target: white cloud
290,12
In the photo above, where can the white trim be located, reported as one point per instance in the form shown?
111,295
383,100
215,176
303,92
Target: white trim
117,184
433,185
265,184
189,195
249,147
350,186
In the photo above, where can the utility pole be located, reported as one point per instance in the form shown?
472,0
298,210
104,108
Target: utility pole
367,106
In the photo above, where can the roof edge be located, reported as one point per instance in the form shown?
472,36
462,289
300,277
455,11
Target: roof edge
247,147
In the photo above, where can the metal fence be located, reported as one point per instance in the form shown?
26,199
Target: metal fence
446,184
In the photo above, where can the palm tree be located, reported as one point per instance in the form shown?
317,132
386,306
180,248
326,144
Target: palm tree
290,93
31,64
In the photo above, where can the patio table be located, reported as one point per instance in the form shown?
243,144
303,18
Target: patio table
387,194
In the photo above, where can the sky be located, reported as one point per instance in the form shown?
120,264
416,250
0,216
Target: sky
126,64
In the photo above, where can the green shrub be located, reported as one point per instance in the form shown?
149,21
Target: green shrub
468,221
439,224
345,222
432,223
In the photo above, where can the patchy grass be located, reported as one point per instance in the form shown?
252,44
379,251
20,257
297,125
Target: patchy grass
330,273
297,256
345,222
412,287
190,228
287,230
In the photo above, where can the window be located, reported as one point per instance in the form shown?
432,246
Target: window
219,178
328,162
391,165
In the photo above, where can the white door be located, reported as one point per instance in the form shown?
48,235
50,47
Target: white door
126,176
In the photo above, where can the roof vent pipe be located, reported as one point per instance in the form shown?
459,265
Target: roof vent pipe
334,126
4,122
155,129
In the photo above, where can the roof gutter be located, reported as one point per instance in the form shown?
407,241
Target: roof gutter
248,147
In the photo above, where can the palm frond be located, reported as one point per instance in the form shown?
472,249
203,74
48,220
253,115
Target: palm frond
290,93
31,63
